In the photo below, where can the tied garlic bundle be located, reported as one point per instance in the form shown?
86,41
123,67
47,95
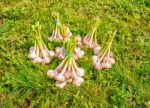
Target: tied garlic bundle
61,52
39,53
91,38
61,32
103,58
67,71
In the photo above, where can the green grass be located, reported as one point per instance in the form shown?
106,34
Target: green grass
126,85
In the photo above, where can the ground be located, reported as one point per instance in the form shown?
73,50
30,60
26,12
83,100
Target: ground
125,85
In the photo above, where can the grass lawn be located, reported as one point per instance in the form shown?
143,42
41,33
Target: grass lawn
125,85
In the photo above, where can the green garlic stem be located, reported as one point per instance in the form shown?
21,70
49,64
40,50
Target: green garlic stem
69,66
75,65
64,68
61,64
35,44
107,46
73,70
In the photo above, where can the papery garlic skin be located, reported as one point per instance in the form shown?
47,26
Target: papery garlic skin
51,53
79,53
32,49
69,80
39,60
80,72
45,53
32,55
60,77
97,66
78,81
58,50
67,75
61,56
94,58
79,39
59,53
106,65
51,73
97,50
91,45
46,60
111,60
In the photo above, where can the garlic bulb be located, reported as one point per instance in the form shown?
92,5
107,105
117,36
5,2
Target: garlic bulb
78,81
80,72
97,50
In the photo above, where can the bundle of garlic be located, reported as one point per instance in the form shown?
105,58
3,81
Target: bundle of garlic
103,58
67,71
91,38
61,52
39,53
61,32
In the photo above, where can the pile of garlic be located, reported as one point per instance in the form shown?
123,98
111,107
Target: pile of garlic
67,71
39,53
91,38
61,32
103,58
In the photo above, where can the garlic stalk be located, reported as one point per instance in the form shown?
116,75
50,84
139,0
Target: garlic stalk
39,53
67,71
103,58
61,32
91,38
